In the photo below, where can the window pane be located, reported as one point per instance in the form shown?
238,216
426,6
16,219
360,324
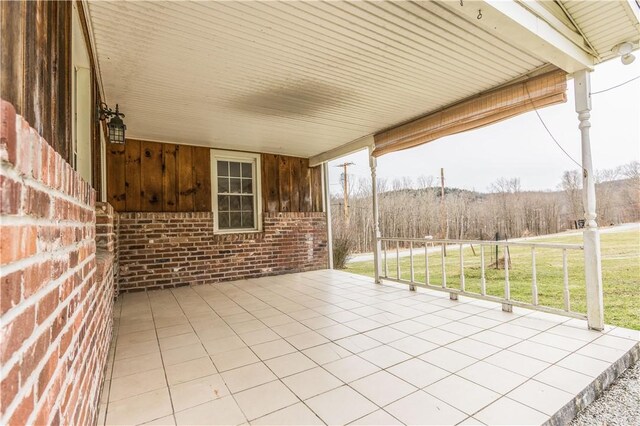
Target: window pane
223,203
223,220
235,185
236,219
247,203
247,220
234,202
246,170
223,168
247,186
234,169
223,185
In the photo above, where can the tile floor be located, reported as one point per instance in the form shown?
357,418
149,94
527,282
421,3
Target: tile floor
328,347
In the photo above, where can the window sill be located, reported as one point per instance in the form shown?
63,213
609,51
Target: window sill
237,231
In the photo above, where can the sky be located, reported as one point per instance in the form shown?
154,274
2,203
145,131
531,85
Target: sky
520,147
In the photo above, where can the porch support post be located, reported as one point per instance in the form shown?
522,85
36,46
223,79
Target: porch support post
326,196
377,245
591,234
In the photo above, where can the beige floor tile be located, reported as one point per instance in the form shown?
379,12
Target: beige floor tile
557,341
385,334
290,329
136,364
384,356
470,421
304,314
362,324
539,351
294,415
410,327
137,337
311,382
496,339
225,344
248,326
135,384
615,342
259,336
584,364
473,348
358,343
420,408
198,391
264,399
318,322
337,331
223,411
289,364
175,330
233,359
247,377
540,396
178,341
506,411
382,388
307,340
189,370
493,377
460,329
564,379
377,418
413,345
136,349
447,359
517,363
515,331
277,320
272,349
343,317
140,408
418,372
183,354
461,393
351,368
326,353
602,353
341,406
578,333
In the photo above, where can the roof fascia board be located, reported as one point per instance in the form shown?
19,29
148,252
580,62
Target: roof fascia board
346,149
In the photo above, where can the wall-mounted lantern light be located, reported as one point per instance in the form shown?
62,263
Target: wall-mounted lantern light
115,125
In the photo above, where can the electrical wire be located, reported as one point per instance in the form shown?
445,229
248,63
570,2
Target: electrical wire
616,86
549,131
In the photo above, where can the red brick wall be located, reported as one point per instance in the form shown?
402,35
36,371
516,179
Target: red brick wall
159,250
55,311
107,236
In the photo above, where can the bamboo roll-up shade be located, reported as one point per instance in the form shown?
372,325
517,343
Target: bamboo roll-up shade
482,110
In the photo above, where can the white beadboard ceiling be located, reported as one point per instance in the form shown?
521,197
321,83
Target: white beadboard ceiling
298,78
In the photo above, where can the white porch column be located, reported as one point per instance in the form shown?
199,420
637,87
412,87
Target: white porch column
326,196
591,234
377,246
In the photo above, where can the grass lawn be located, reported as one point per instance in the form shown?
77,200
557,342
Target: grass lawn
620,273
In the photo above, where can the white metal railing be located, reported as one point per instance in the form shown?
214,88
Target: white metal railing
506,300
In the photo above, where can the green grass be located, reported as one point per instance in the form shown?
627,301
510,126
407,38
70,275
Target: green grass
620,273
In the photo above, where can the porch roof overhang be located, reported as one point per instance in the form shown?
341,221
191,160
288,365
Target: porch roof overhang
318,79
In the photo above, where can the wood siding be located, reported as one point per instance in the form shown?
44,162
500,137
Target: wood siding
35,71
147,176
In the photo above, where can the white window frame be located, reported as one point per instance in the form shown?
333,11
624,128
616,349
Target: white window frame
220,155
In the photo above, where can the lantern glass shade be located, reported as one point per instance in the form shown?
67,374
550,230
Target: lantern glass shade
116,130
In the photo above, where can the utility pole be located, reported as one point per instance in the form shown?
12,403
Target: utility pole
444,223
345,189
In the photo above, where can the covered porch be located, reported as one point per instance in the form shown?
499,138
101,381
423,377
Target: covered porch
329,347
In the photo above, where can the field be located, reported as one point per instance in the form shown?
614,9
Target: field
620,273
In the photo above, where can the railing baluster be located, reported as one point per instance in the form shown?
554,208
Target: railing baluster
444,271
412,272
398,259
565,271
386,265
507,286
483,281
461,269
534,276
426,264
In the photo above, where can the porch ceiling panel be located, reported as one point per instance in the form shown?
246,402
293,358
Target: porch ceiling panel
298,78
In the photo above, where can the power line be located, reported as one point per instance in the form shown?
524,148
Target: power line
616,86
549,131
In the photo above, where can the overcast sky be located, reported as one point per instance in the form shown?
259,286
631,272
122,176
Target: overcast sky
520,146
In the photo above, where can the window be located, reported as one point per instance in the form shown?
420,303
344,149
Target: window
236,191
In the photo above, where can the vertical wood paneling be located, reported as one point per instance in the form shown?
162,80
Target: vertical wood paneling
12,38
316,188
270,188
295,184
306,204
116,192
284,183
151,176
169,187
132,175
184,178
202,178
